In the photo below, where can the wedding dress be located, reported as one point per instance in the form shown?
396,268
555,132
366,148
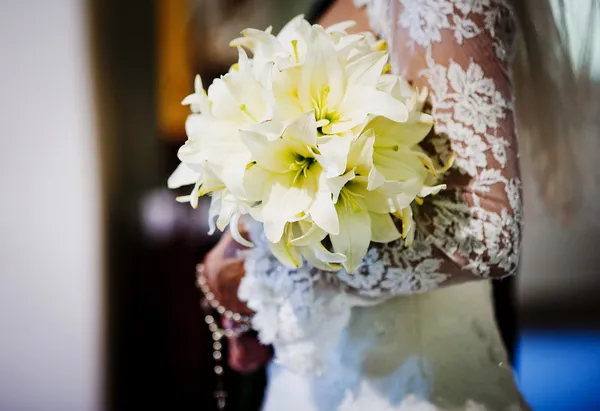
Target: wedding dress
397,335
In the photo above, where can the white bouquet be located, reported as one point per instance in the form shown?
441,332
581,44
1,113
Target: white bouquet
312,138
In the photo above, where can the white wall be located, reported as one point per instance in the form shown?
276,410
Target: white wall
50,228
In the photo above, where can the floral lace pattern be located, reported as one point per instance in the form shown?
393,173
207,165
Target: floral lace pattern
425,21
295,312
471,230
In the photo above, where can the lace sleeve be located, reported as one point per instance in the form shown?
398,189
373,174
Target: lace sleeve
459,50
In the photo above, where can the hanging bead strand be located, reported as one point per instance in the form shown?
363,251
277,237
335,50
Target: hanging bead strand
209,302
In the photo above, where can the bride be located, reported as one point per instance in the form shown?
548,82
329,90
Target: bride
414,328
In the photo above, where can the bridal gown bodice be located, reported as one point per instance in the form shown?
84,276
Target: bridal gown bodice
397,335
438,350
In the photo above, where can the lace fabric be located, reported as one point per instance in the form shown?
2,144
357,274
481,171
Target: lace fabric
460,50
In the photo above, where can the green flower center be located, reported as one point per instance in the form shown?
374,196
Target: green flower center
300,167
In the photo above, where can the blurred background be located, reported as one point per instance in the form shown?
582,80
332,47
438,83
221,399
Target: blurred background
98,307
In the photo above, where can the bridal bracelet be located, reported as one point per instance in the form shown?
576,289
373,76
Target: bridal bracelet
241,321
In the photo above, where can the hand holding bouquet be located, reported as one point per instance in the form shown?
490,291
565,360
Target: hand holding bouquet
312,138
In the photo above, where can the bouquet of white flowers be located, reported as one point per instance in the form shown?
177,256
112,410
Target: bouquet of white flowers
312,138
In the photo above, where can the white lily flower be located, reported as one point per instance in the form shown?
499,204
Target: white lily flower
198,101
242,95
343,96
364,216
226,209
214,149
285,175
307,237
287,49
395,152
302,240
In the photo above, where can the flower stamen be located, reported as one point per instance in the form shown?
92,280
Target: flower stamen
320,103
295,47
247,112
301,167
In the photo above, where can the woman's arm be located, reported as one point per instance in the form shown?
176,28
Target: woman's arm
459,50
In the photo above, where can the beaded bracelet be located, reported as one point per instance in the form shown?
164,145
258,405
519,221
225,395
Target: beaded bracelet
243,325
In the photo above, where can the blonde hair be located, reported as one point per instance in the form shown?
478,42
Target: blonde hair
552,99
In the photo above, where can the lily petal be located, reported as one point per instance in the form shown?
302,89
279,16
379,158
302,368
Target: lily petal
322,71
288,106
347,44
224,104
427,190
287,254
210,182
399,165
323,259
198,101
275,156
354,237
340,27
235,232
322,211
282,202
229,208
233,172
312,235
336,184
326,256
303,129
214,210
361,153
375,201
182,176
408,226
376,179
389,133
272,130
333,155
367,69
383,229
194,195
361,101
256,181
